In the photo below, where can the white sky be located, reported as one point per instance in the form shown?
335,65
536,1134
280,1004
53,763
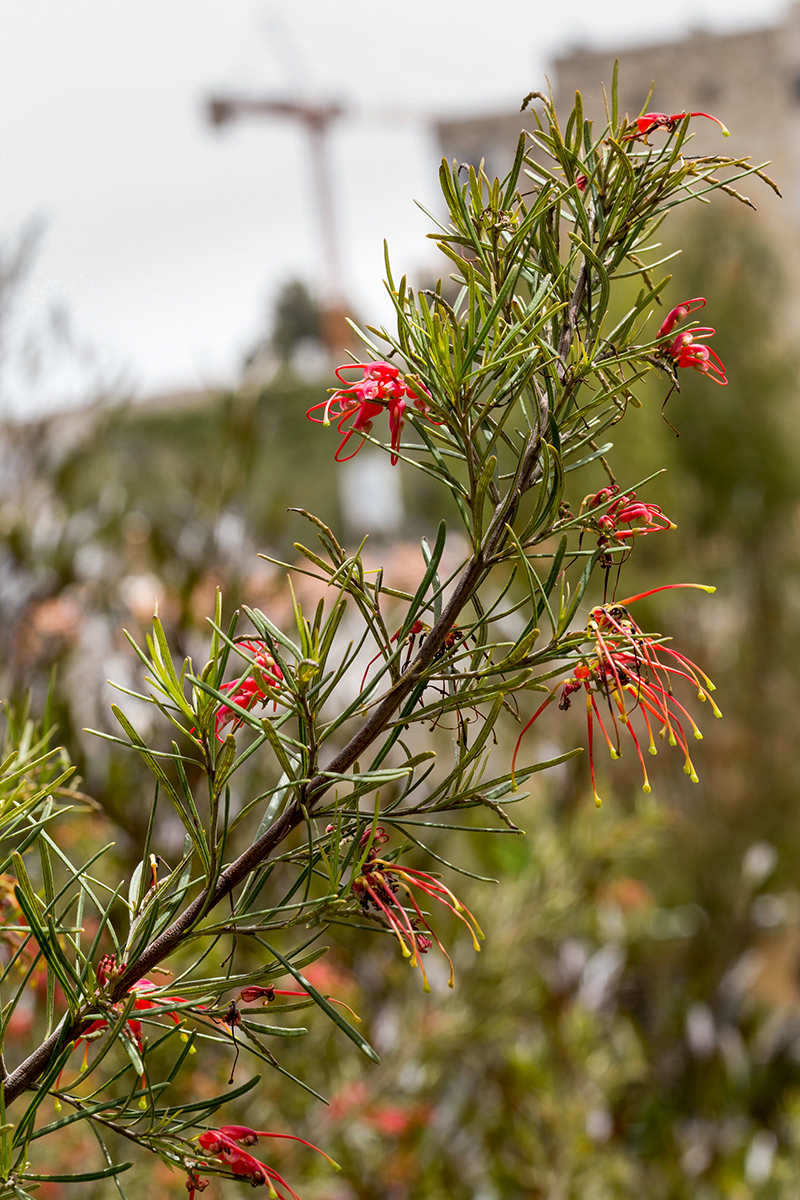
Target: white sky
165,241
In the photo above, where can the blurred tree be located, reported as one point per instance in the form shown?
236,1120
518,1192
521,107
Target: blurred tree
297,317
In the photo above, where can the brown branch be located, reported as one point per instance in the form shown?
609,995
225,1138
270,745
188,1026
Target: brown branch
568,332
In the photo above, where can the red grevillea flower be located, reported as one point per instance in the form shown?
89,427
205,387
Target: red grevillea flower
251,689
686,349
631,673
142,1003
378,887
252,993
381,387
106,969
650,122
625,510
226,1144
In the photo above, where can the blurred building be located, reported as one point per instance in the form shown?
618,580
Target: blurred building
750,80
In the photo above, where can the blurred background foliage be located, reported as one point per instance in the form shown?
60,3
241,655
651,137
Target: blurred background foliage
632,1025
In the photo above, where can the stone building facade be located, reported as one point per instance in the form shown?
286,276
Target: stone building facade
750,80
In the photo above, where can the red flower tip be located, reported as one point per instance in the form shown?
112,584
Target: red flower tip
380,388
686,349
649,122
379,838
251,689
223,1143
679,313
250,994
240,1133
624,510
107,969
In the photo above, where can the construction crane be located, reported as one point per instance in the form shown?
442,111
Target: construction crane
317,119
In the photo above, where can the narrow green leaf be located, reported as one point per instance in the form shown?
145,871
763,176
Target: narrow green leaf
326,1007
481,489
583,583
512,178
85,1177
432,558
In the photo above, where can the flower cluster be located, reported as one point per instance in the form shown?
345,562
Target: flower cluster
226,1144
107,969
686,349
381,387
377,888
627,671
250,690
649,122
625,517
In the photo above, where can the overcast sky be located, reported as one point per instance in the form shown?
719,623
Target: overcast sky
162,242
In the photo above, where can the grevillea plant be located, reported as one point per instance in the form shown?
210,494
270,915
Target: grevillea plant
498,385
